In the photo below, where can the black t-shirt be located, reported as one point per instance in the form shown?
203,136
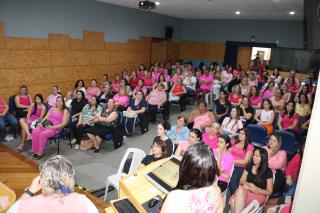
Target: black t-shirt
250,110
251,177
76,106
103,98
169,144
139,106
149,159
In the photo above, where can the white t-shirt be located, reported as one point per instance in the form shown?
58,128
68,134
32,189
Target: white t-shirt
186,82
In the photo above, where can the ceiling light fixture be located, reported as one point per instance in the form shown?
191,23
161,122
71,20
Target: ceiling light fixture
157,3
237,12
292,13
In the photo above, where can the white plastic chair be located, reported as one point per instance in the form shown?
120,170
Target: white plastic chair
113,180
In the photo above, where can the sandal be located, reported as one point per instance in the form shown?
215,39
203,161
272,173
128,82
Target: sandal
35,156
20,147
39,157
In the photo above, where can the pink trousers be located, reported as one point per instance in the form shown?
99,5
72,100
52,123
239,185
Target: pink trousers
39,137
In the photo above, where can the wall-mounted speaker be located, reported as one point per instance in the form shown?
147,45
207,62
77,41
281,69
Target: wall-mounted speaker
168,32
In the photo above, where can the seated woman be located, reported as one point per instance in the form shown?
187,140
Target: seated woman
93,90
148,82
286,93
103,124
225,161
222,106
157,99
303,108
139,106
134,79
51,99
265,117
141,87
194,137
289,119
256,182
277,100
180,132
56,118
253,81
116,85
161,80
159,151
47,191
245,87
79,85
246,111
141,72
77,105
105,95
293,86
205,85
211,137
277,161
232,124
162,129
121,100
35,113
196,191
255,98
235,97
241,151
268,92
68,99
85,121
201,118
22,102
6,118
104,81
176,76
304,90
124,84
190,82
178,93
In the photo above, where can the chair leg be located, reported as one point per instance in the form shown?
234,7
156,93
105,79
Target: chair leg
106,191
58,147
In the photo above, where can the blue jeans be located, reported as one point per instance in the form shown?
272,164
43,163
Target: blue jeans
8,119
290,191
235,178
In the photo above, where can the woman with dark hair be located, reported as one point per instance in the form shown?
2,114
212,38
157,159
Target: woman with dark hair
289,119
255,98
286,93
304,90
222,106
116,84
201,118
303,108
194,136
232,124
161,80
159,151
125,84
196,191
93,90
178,94
141,72
56,118
265,117
277,76
140,87
134,79
121,100
256,182
104,81
35,113
241,151
246,111
162,129
105,95
225,161
277,100
292,85
22,102
205,84
79,85
268,92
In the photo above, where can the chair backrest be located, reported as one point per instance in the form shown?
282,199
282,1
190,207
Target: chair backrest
288,140
137,157
12,104
258,134
275,122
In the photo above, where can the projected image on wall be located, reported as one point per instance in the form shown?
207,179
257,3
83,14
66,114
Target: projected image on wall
260,56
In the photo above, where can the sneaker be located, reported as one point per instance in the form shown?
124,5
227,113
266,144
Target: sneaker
73,141
8,138
11,138
76,146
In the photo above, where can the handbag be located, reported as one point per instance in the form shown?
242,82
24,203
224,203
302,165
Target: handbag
130,114
34,124
46,123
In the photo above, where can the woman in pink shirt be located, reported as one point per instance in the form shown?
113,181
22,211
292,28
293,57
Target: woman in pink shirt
141,87
141,71
268,92
253,81
242,152
148,82
161,80
286,93
288,119
211,137
116,84
176,76
53,191
277,161
201,118
205,82
157,99
225,161
93,90
121,100
292,85
51,99
255,98
194,137
235,97
22,102
277,100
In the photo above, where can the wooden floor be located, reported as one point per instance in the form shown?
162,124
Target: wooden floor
17,172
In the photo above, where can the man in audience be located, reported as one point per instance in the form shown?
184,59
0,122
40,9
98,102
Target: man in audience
6,119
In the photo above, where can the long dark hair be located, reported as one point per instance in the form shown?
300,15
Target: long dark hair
163,146
227,96
247,141
35,106
226,139
64,103
257,92
77,83
197,132
263,166
198,167
237,118
292,111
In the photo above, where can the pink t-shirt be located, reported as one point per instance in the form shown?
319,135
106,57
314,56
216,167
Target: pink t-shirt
183,146
234,99
212,142
52,99
2,105
200,120
227,162
255,101
267,94
116,86
287,122
122,100
137,88
239,153
92,91
206,78
140,74
148,82
157,97
277,161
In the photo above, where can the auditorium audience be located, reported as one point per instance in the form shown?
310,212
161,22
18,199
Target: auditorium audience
265,117
232,124
56,118
255,98
222,106
179,132
22,102
195,190
35,114
121,100
53,191
157,99
194,136
211,137
178,94
79,85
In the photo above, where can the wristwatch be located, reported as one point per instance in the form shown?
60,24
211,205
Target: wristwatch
28,192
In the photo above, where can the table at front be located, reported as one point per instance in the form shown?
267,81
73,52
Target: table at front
138,189
17,172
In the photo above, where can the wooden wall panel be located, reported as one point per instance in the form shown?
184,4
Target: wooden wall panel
25,58
244,54
27,44
173,51
93,40
59,42
2,37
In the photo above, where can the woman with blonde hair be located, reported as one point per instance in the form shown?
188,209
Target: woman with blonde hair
56,183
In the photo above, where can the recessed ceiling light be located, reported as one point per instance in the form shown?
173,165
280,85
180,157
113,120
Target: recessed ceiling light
237,12
157,3
292,13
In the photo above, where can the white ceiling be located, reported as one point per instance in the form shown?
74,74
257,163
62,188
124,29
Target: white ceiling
223,9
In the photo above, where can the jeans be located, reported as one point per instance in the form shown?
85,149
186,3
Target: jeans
235,178
290,190
8,119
